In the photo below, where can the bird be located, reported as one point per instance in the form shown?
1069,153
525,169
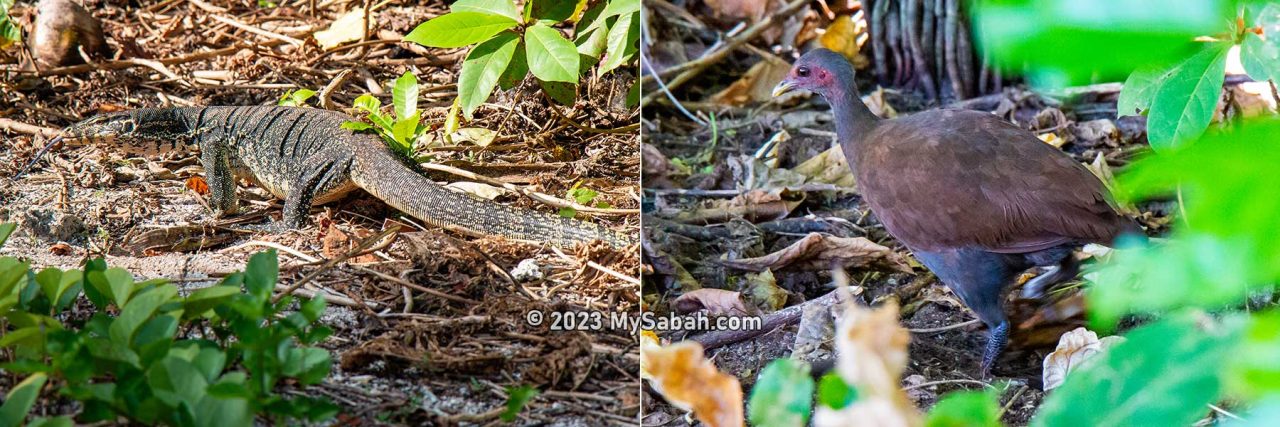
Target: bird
977,199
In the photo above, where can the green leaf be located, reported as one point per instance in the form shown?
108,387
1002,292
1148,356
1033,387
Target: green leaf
1261,58
296,98
493,7
782,396
175,381
1225,249
138,311
313,308
517,69
219,412
59,421
633,95
1133,382
458,29
482,69
551,57
549,10
621,7
624,39
561,92
1074,42
1184,103
1252,371
517,397
114,283
966,409
310,365
5,230
53,282
590,33
567,212
1138,89
367,103
356,126
405,95
405,131
203,300
834,393
20,400
261,273
583,195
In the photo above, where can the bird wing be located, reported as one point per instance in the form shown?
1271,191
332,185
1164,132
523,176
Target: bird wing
954,178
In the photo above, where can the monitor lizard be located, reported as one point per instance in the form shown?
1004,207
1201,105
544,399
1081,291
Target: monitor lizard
303,156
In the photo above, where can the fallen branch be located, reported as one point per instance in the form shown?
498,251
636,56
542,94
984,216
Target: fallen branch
29,129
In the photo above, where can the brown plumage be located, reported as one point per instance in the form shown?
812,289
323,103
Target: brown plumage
949,178
977,199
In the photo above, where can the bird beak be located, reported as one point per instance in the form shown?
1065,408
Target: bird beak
783,87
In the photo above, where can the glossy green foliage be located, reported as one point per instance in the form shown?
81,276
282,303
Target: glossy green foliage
1074,42
510,44
1225,247
782,396
1163,375
966,409
401,129
133,358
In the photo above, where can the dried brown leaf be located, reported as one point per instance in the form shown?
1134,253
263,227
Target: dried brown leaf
1074,348
682,374
871,352
716,302
754,86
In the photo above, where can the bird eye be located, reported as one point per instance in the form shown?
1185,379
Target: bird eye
802,71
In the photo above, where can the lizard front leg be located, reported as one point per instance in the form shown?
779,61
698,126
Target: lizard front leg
323,174
216,159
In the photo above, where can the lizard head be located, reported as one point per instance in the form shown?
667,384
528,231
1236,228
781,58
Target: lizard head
141,131
103,128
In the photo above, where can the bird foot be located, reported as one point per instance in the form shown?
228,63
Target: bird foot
1035,288
995,344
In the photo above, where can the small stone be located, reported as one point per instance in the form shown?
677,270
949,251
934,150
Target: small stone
527,271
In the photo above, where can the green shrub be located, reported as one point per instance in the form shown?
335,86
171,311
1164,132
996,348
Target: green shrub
154,357
510,44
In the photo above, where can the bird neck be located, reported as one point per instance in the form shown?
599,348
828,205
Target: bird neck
853,119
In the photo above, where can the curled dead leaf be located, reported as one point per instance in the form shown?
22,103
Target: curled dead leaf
716,302
60,248
846,37
347,28
828,167
482,190
198,185
763,291
682,374
754,86
817,251
871,350
1074,348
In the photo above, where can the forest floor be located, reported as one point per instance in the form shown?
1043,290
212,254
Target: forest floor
428,330
749,175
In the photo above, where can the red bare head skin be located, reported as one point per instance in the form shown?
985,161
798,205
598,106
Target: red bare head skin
820,71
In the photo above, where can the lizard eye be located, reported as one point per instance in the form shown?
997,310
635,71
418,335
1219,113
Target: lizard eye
802,72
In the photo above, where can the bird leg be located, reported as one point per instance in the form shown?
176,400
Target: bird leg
995,344
1064,271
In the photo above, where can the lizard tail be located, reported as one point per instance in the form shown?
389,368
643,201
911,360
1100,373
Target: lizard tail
425,200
